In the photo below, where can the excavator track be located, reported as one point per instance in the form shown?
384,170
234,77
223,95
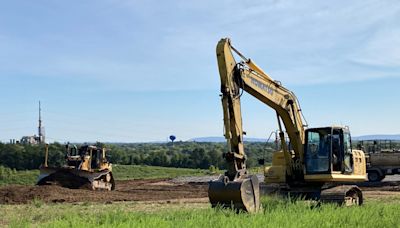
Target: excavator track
343,195
346,195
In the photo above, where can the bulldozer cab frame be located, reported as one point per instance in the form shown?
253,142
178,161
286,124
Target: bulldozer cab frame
75,156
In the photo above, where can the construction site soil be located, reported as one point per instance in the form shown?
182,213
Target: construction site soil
167,190
126,190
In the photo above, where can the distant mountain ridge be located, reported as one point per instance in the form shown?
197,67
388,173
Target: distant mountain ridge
377,137
222,139
356,138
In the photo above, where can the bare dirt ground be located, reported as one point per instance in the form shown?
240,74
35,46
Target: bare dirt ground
127,190
185,189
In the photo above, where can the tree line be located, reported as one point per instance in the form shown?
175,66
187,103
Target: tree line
202,155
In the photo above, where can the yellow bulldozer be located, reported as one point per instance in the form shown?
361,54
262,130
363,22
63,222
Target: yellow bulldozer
85,167
315,163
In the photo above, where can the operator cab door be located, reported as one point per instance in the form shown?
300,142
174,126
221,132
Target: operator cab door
347,166
328,150
318,151
337,150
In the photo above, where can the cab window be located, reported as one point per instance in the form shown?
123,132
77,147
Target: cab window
318,150
348,155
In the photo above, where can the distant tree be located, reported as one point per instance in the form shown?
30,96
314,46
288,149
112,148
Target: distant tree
216,159
183,154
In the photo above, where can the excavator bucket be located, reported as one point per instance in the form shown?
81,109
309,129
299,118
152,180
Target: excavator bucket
76,179
241,194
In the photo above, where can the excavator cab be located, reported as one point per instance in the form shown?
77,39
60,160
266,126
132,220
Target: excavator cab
327,149
329,157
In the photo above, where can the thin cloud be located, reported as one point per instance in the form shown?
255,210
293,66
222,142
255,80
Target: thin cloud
382,50
156,45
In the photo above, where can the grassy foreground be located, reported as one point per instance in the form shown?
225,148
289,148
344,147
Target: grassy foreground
276,213
121,172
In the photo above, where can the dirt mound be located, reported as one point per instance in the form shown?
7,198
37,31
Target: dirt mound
129,190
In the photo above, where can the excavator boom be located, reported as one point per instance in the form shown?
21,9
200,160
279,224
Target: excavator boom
247,76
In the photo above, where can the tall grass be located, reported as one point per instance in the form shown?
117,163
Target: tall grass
275,213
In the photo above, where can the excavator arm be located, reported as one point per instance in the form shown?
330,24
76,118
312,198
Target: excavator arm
247,76
230,97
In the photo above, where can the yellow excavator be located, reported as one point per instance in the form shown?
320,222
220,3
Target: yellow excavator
85,167
314,163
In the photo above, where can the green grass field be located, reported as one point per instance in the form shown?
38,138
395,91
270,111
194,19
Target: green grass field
121,172
276,213
124,172
11,176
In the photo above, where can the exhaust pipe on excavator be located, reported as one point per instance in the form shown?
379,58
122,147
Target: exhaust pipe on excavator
241,194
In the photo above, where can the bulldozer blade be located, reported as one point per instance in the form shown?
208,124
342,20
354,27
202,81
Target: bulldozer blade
241,194
62,177
72,178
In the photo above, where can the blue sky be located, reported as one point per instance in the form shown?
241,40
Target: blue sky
131,71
